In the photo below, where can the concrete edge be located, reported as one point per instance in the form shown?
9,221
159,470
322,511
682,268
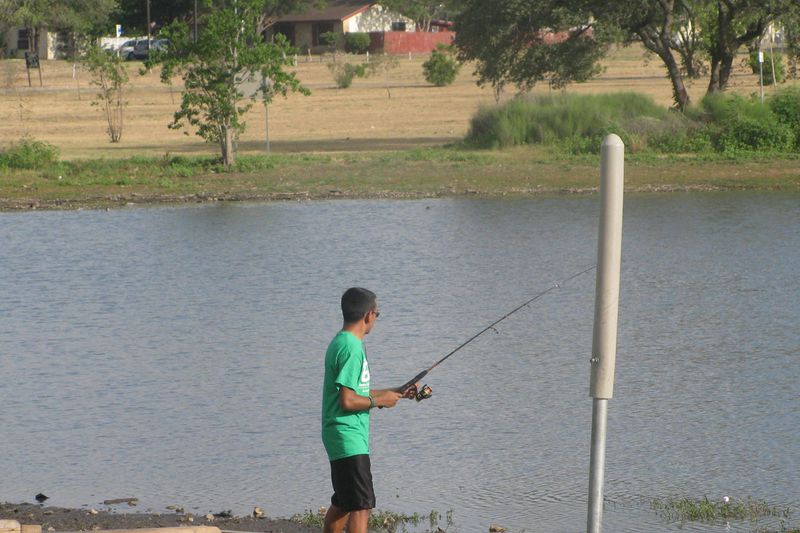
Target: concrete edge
174,529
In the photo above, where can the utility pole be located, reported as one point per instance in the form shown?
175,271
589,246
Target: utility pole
606,305
148,28
195,21
266,90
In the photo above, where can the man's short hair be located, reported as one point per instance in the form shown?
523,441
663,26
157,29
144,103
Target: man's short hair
357,302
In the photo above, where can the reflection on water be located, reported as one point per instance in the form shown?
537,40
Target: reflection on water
174,354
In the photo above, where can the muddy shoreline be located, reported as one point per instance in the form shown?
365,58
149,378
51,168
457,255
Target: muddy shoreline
140,200
119,516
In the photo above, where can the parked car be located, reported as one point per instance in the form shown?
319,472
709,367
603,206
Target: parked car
140,50
126,49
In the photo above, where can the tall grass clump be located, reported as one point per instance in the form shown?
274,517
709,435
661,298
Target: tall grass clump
28,153
739,124
578,122
722,123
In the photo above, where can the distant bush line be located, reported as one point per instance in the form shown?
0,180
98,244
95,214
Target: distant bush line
722,123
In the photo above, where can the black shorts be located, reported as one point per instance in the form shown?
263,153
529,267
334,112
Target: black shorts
352,483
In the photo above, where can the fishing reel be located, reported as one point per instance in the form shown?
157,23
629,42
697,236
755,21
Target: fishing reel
422,394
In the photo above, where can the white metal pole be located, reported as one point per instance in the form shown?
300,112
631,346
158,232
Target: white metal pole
606,306
597,465
761,73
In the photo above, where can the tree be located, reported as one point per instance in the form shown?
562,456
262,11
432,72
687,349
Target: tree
29,14
732,24
524,42
424,12
81,19
442,67
382,65
688,42
111,76
230,53
133,17
132,14
791,40
664,27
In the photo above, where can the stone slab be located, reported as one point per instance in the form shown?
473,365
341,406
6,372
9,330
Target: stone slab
9,526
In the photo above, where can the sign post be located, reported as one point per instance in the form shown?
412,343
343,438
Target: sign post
606,305
32,61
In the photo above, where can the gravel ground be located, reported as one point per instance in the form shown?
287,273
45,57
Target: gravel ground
61,519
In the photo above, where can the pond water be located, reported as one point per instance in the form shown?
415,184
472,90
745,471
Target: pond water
175,355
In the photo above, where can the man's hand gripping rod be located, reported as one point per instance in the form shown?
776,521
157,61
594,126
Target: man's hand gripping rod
425,392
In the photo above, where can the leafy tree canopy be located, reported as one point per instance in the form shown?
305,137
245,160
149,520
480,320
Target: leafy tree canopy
424,11
87,17
132,13
524,42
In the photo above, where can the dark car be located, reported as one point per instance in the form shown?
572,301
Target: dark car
125,51
140,50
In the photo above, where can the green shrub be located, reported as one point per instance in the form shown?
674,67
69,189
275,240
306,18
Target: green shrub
785,104
356,42
442,67
738,124
343,73
746,134
693,140
28,153
777,58
331,38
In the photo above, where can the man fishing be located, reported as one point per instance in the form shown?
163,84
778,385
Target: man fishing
346,403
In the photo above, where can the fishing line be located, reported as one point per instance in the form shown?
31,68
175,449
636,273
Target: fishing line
426,391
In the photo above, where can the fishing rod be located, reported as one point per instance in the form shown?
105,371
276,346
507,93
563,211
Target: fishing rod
426,392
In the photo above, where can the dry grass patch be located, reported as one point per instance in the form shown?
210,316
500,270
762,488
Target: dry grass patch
362,117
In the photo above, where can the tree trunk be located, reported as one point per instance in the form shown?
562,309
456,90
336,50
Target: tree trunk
718,50
713,84
227,146
658,39
679,93
726,67
729,38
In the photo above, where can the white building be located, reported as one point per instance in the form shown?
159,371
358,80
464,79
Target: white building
50,44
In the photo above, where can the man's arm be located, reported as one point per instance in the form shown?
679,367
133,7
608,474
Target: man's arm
350,401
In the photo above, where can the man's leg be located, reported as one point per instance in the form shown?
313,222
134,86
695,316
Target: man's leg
335,520
359,520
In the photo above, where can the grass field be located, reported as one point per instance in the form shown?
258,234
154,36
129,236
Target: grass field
362,117
355,142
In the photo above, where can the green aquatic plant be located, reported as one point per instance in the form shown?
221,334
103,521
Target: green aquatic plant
674,509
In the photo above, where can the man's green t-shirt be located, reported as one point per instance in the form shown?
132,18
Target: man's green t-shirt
345,433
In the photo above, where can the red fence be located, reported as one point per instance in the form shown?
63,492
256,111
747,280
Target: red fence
403,42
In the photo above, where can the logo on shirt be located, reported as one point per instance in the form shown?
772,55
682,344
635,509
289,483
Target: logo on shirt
364,382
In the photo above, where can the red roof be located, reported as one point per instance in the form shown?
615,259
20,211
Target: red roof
334,10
